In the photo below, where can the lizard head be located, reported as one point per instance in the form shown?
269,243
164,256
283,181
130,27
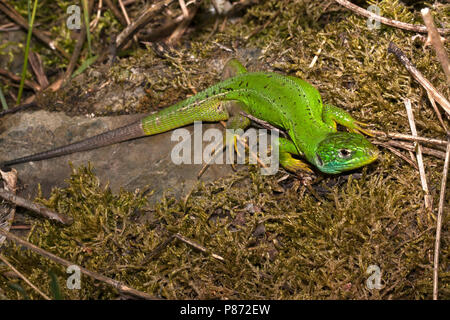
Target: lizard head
342,151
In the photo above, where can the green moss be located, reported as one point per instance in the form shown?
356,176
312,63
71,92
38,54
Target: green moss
277,241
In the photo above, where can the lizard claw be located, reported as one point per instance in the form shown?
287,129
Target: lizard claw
357,129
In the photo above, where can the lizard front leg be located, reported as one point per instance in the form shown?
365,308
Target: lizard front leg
332,115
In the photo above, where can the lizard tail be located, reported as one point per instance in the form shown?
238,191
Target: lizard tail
131,131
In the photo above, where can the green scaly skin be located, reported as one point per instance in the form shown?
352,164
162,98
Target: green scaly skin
286,102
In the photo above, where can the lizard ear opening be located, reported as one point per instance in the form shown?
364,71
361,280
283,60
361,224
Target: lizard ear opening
319,160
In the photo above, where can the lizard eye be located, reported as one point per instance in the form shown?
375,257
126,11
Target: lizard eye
345,153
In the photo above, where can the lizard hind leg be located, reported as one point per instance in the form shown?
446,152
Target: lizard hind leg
233,67
235,127
332,115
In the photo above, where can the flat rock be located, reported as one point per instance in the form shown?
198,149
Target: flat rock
137,164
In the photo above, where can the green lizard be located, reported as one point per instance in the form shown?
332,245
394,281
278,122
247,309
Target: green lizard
286,102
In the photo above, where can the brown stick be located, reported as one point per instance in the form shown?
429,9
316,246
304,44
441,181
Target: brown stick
241,5
439,224
162,31
410,147
140,22
116,12
31,84
435,38
437,112
423,177
402,136
75,55
197,246
18,108
116,284
387,21
445,104
38,68
397,153
39,209
181,28
17,18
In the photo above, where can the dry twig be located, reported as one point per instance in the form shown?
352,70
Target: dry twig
116,12
18,108
435,39
410,147
3,259
423,177
419,77
140,22
181,28
29,83
397,153
387,21
38,208
124,289
407,137
439,224
38,68
197,246
17,18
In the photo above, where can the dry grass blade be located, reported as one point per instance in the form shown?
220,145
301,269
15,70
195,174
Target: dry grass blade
439,224
410,147
29,83
263,123
3,259
435,38
419,77
423,177
260,28
184,8
211,159
140,22
76,53
116,12
397,153
38,68
197,246
181,28
402,136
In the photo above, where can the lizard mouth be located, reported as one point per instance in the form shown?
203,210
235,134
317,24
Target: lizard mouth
372,156
342,151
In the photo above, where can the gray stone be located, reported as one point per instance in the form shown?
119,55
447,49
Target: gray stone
136,164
